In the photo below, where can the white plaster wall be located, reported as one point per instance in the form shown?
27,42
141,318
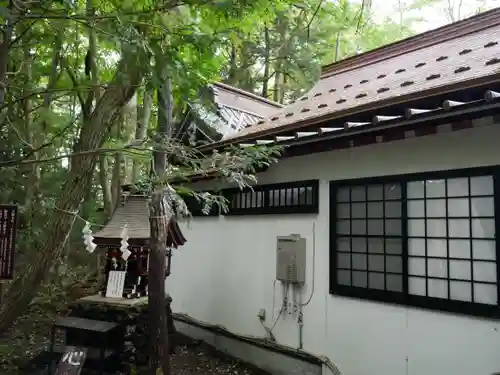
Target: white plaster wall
225,273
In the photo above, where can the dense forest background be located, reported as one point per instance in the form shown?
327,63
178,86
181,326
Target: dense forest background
80,75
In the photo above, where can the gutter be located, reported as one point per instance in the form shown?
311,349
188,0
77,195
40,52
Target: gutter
338,115
437,114
468,109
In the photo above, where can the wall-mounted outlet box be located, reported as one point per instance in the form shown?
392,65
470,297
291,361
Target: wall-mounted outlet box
291,259
262,314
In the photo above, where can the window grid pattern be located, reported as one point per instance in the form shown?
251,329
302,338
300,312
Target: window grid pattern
426,240
369,246
283,198
451,240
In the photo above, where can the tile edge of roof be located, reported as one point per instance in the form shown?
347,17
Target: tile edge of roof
426,39
327,116
248,94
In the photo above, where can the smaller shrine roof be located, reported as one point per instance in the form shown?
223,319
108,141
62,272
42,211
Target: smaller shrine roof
223,110
241,108
133,211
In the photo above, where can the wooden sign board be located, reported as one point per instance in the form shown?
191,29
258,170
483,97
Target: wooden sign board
8,227
116,283
72,361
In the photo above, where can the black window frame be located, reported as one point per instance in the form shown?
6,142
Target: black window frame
404,298
262,193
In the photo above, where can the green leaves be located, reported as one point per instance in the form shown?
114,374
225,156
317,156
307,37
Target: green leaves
274,48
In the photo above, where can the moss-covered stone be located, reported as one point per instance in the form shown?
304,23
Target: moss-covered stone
131,339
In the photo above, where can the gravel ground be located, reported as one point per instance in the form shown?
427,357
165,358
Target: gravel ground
30,335
190,358
194,360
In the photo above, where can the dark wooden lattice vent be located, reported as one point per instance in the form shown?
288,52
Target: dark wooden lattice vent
282,198
8,225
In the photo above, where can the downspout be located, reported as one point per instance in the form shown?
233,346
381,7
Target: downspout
300,318
300,322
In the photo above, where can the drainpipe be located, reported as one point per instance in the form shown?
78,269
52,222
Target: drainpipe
300,322
301,326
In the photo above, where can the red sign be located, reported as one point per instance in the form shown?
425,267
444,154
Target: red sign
8,226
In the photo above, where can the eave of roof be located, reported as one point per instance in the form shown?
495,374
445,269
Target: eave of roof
458,56
247,94
230,109
449,110
239,108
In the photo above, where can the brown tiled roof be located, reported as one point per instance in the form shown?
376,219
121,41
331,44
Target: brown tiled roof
134,212
234,97
233,103
460,55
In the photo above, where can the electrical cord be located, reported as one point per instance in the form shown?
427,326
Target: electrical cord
283,304
285,300
269,331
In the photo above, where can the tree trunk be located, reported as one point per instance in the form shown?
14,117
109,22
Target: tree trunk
144,115
233,67
92,136
116,174
105,186
94,93
160,215
277,82
5,48
128,131
159,219
30,136
337,46
284,88
267,63
116,178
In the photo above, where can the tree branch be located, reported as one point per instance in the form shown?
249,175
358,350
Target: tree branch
76,85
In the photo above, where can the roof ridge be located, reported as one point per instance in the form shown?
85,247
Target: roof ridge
246,93
245,111
429,38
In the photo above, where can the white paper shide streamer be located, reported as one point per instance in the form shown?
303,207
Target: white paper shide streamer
124,244
88,239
